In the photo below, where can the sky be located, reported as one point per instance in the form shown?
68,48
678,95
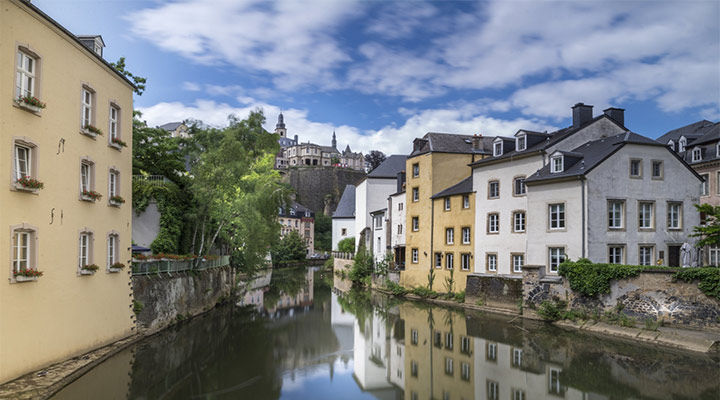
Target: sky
381,73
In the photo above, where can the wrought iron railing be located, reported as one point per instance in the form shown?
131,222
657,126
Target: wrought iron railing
146,267
151,179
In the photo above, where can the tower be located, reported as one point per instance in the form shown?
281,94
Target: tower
334,141
280,127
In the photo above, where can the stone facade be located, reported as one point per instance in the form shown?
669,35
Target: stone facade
315,186
505,292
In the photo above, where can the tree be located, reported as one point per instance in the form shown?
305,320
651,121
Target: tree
323,232
139,81
709,233
156,152
347,245
291,248
375,158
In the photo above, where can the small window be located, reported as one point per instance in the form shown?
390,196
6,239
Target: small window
657,170
491,351
24,251
556,164
498,148
113,185
400,206
646,255
516,358
635,168
556,216
25,78
714,255
520,143
493,390
415,224
493,224
416,194
416,170
518,394
717,150
466,201
646,215
87,181
465,261
616,254
674,215
114,124
696,154
343,232
399,229
447,204
24,175
556,255
681,144
449,260
465,371
466,235
519,186
616,214
704,191
378,222
414,336
448,366
518,260
88,102
414,256
85,253
493,189
438,260
491,260
671,144
112,250
519,222
450,236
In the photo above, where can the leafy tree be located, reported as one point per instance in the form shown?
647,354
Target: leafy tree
347,245
139,81
375,158
362,267
709,234
156,152
291,248
323,232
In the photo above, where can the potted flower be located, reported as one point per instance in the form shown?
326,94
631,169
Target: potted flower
88,269
28,183
116,200
92,130
117,267
27,274
90,195
139,257
117,143
31,103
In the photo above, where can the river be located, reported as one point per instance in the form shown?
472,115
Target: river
294,336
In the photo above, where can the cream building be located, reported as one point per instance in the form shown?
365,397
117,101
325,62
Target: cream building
300,219
59,95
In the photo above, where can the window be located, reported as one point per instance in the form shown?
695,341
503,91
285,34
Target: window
491,262
292,211
616,212
554,386
466,235
86,177
378,222
448,366
466,201
415,224
438,260
671,144
24,249
465,371
344,231
557,216
399,229
491,351
450,236
414,256
416,170
657,169
520,143
635,168
646,215
518,394
438,339
449,260
400,206
25,75
465,261
23,161
518,260
449,340
696,154
85,249
714,255
447,204
414,366
704,185
717,150
493,189
493,223
416,194
464,344
681,144
646,255
112,250
113,181
556,164
519,186
87,107
556,255
519,221
674,216
414,336
497,148
616,254
517,357
493,390
114,121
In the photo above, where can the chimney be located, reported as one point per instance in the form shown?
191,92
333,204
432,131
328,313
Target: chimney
296,139
581,114
477,142
617,114
400,181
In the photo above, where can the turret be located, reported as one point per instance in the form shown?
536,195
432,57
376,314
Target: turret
334,141
280,127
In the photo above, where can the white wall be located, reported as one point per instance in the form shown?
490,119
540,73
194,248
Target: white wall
379,238
397,218
370,195
338,224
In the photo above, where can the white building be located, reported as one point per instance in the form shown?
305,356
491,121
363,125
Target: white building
379,234
343,219
502,211
396,224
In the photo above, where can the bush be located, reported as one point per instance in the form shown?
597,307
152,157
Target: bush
362,267
460,297
552,310
709,278
347,245
396,289
424,292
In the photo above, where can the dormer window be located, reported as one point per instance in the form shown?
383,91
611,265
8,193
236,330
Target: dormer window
717,150
696,154
556,164
292,211
681,144
520,143
497,148
307,213
672,145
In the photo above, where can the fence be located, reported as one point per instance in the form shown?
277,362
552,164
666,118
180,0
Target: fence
151,179
169,266
343,256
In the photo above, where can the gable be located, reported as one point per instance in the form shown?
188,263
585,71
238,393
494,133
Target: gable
600,129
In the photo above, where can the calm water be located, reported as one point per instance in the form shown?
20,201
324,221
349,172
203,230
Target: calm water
293,337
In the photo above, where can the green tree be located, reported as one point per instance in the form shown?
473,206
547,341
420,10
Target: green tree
291,248
139,81
156,152
709,233
323,232
347,245
375,158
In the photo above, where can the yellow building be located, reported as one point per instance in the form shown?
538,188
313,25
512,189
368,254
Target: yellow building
438,161
65,118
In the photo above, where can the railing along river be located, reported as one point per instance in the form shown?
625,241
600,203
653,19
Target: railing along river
146,267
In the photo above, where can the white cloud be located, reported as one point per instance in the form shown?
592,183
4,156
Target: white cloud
465,119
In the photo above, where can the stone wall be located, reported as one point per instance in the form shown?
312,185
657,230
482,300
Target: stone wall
146,225
312,184
504,292
167,298
650,295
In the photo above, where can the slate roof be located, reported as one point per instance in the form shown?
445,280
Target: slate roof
299,211
346,206
462,187
550,140
450,143
390,167
585,158
691,131
170,126
707,144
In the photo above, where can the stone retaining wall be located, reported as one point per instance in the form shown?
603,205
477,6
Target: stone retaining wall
505,292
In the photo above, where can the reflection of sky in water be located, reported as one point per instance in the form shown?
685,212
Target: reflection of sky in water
315,383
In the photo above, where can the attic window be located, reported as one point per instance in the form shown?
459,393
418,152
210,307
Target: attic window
696,154
717,150
681,144
672,145
520,143
292,211
498,148
556,164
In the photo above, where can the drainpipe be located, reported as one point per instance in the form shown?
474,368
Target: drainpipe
432,231
582,195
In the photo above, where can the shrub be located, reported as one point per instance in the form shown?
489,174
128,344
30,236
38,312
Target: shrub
709,278
362,266
347,245
396,289
594,279
424,292
460,297
552,310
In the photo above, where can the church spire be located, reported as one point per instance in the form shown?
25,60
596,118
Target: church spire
280,127
334,140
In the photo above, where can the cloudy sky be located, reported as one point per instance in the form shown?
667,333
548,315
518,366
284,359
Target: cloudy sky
382,73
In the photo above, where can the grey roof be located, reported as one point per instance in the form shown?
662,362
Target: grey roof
585,158
691,131
711,134
707,144
170,126
390,167
382,210
346,206
463,187
550,140
329,149
450,143
299,211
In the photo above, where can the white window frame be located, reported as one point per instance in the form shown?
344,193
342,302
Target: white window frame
415,255
520,143
22,250
449,366
696,154
646,255
556,164
556,216
519,221
516,357
438,260
449,235
674,215
717,150
416,170
84,249
491,259
465,235
25,74
466,201
639,164
556,256
17,163
646,221
416,194
519,183
704,185
415,224
491,351
112,250
465,371
85,176
660,174
494,193
113,180
497,148
616,218
493,223
616,254
114,121
449,260
465,261
87,107
447,204
518,260
682,143
714,255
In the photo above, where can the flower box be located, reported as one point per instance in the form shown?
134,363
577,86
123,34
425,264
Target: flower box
113,270
27,275
90,195
116,201
32,104
28,184
117,143
86,272
20,278
88,269
117,267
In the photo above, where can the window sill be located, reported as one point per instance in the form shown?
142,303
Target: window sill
26,279
86,272
27,107
114,270
115,146
21,188
114,204
89,134
87,198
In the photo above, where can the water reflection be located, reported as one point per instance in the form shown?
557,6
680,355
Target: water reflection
294,338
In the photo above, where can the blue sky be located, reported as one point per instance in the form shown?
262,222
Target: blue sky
383,73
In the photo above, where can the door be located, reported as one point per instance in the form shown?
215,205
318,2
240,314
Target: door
674,256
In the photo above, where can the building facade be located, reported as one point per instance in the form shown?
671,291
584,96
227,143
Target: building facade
299,219
396,223
343,219
66,127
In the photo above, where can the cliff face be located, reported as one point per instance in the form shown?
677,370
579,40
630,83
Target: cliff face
314,184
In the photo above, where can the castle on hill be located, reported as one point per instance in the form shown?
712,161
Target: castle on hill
294,154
